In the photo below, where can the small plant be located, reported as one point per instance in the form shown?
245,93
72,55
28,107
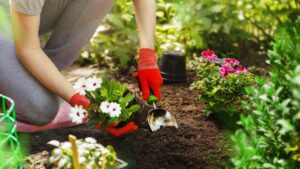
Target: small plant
221,82
111,102
90,155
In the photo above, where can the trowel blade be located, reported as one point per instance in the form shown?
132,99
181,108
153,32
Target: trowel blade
160,117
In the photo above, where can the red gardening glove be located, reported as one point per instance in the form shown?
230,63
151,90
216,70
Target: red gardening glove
148,73
99,125
117,132
80,100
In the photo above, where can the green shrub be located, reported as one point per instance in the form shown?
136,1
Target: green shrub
220,92
116,40
270,135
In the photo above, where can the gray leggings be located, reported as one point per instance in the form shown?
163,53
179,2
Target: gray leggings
72,23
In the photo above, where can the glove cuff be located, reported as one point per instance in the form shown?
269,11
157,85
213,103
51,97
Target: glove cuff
74,98
78,99
147,59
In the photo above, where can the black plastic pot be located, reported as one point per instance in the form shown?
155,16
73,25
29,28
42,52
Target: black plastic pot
173,67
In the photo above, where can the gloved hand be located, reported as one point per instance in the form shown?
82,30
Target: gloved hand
113,130
117,132
148,73
80,100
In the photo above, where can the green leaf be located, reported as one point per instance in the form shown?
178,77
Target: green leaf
134,108
286,126
114,19
125,100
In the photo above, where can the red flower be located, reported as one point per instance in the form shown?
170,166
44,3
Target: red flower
209,55
232,61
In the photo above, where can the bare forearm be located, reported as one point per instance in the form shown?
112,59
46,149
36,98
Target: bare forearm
146,20
42,68
34,59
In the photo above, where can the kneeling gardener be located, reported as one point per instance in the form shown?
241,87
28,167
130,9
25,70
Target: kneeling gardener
31,75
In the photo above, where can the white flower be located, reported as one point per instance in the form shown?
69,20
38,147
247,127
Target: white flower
54,143
80,86
78,114
114,110
66,145
82,160
97,154
91,84
57,152
90,165
62,162
104,107
90,140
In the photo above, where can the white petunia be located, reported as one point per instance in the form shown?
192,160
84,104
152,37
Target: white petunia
91,84
104,107
114,110
80,86
77,114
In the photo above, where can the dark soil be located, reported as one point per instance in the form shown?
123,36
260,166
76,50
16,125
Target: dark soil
198,143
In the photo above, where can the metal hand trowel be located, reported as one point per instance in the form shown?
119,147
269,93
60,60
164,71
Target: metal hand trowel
158,117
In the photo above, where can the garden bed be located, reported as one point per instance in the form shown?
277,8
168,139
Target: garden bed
196,144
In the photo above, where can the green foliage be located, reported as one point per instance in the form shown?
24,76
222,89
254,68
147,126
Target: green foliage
285,54
189,26
116,41
220,94
238,24
270,135
118,38
111,91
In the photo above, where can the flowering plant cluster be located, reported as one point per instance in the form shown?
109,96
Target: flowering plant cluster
111,102
228,65
90,155
221,82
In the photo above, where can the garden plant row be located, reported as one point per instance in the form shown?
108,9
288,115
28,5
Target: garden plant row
268,135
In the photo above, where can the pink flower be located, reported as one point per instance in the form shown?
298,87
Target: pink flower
231,61
228,67
241,69
209,55
224,71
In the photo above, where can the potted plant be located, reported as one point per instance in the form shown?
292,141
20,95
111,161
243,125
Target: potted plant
111,102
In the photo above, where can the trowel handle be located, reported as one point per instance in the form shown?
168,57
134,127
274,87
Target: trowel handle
152,98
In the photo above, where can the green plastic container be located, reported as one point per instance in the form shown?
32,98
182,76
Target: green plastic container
10,151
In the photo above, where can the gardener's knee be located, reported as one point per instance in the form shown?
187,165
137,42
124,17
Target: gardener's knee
42,111
102,6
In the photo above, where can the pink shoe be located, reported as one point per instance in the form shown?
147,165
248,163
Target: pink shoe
62,120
